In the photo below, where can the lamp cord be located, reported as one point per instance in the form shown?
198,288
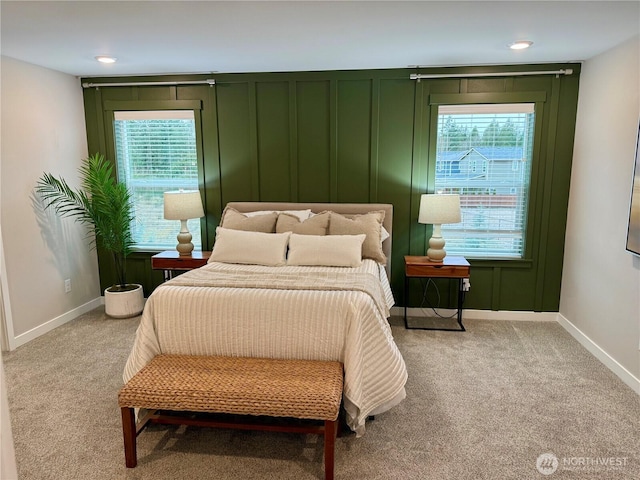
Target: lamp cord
425,289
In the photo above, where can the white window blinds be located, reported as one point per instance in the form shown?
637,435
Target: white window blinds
484,154
156,152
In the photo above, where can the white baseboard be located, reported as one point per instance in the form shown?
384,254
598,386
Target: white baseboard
468,314
523,316
54,322
625,375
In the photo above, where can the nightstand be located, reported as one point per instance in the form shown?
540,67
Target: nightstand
171,260
421,267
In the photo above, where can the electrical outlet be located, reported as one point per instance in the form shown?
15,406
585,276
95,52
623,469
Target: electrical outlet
67,285
466,284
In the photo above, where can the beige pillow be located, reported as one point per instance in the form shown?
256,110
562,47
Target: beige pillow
316,225
251,248
370,224
301,214
328,251
233,219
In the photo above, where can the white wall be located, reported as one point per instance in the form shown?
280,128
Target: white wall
599,301
42,130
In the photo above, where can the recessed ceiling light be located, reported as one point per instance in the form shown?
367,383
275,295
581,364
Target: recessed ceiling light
106,59
520,45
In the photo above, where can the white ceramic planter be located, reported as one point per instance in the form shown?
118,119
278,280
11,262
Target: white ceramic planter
124,304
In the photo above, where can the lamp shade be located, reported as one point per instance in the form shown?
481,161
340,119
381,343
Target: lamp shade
182,205
436,209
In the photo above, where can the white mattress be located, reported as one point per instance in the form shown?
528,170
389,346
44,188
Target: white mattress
185,316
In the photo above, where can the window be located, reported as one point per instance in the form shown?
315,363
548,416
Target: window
156,152
494,205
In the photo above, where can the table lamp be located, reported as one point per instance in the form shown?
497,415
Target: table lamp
436,209
183,205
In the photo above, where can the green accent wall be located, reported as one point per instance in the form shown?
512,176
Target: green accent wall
360,136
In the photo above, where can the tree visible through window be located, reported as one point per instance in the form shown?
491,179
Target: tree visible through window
156,152
484,154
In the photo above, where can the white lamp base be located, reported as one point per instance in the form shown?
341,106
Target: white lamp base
184,247
436,252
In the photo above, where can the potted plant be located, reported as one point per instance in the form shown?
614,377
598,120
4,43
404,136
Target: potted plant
105,206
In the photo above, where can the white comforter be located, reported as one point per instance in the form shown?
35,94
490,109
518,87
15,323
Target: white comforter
306,320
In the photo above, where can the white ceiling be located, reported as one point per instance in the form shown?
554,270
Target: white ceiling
159,37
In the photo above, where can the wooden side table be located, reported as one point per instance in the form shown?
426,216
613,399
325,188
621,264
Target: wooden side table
451,267
171,260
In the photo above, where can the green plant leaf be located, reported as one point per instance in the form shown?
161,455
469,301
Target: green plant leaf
101,203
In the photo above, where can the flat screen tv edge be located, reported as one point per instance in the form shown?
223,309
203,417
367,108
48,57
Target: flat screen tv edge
633,231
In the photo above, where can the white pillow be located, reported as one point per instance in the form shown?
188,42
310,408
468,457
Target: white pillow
325,250
384,235
252,248
301,214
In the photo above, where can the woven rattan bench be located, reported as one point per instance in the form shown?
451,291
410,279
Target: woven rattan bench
300,389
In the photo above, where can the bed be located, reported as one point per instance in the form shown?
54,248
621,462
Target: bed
318,302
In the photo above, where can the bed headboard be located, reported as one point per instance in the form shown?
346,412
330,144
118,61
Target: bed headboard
342,208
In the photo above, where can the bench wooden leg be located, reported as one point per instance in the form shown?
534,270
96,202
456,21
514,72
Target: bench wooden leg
129,434
330,432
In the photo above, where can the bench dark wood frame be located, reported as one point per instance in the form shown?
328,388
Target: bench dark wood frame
131,429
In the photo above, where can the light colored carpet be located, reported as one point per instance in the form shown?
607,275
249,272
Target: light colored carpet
483,404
